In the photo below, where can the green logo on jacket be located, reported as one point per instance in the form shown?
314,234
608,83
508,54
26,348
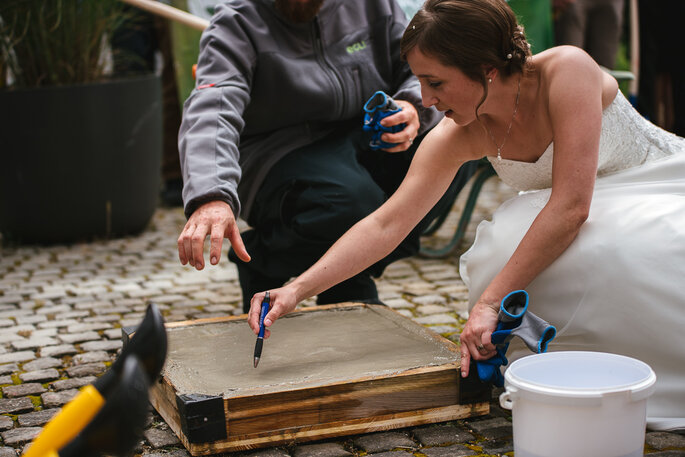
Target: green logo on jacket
356,47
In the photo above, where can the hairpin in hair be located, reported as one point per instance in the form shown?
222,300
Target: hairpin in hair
413,27
509,56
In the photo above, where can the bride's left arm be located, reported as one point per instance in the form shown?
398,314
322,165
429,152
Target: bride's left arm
575,110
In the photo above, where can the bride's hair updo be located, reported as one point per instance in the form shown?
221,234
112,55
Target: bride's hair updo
472,35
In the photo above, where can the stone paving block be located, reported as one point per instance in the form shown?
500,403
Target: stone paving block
30,319
158,437
220,308
432,299
91,369
102,345
440,329
267,452
113,333
113,310
436,319
455,450
37,418
72,338
207,315
438,277
663,440
667,454
91,357
498,433
9,368
442,434
129,303
398,303
93,305
10,299
91,326
497,446
21,356
58,323
55,399
146,293
8,337
73,383
49,374
20,435
41,364
321,450
22,390
58,350
54,309
405,313
15,405
171,298
384,441
73,314
6,423
43,332
33,343
418,289
6,322
189,303
15,313
103,318
486,424
6,380
170,453
432,309
398,453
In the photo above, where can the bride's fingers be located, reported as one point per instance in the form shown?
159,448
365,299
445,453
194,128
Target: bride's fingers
465,361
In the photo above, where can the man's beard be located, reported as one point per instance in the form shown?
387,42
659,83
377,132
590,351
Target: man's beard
299,12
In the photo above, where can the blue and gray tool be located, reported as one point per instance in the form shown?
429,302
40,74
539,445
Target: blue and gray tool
377,108
514,319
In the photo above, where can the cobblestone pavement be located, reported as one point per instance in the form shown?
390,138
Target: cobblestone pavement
61,309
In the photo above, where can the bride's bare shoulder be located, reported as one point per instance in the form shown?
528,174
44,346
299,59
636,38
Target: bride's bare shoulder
572,66
567,59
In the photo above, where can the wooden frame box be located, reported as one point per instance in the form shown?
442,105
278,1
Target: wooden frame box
326,371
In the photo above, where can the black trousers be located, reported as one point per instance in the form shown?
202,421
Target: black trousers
312,197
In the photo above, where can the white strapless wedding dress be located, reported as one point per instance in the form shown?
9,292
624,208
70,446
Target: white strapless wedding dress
620,286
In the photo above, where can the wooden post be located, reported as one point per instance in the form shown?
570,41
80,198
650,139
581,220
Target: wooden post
170,12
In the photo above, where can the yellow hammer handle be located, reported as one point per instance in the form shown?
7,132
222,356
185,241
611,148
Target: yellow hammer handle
67,423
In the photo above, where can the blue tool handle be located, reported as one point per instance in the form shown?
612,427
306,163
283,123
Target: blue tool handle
262,315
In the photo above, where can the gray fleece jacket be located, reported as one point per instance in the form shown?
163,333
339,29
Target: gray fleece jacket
266,86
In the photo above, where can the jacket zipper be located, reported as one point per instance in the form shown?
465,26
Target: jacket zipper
328,68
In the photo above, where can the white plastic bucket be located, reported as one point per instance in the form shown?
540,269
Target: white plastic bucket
571,404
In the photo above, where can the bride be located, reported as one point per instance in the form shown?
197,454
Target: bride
598,236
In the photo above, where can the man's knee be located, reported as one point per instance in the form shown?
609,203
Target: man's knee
325,212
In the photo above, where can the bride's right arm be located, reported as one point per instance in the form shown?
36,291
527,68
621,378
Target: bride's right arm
431,172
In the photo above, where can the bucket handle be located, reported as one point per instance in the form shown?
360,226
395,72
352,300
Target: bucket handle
505,400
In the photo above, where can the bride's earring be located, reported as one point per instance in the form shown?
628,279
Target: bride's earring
489,80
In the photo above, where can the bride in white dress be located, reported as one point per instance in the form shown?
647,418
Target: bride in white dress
618,287
599,247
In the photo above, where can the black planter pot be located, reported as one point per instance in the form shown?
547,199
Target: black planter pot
79,162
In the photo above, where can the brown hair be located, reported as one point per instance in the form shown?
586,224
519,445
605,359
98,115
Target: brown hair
472,35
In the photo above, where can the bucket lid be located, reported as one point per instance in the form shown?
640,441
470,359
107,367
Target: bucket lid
580,374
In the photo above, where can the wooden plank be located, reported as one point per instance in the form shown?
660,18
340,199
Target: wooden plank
340,402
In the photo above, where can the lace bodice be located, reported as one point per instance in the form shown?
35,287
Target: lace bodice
627,140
